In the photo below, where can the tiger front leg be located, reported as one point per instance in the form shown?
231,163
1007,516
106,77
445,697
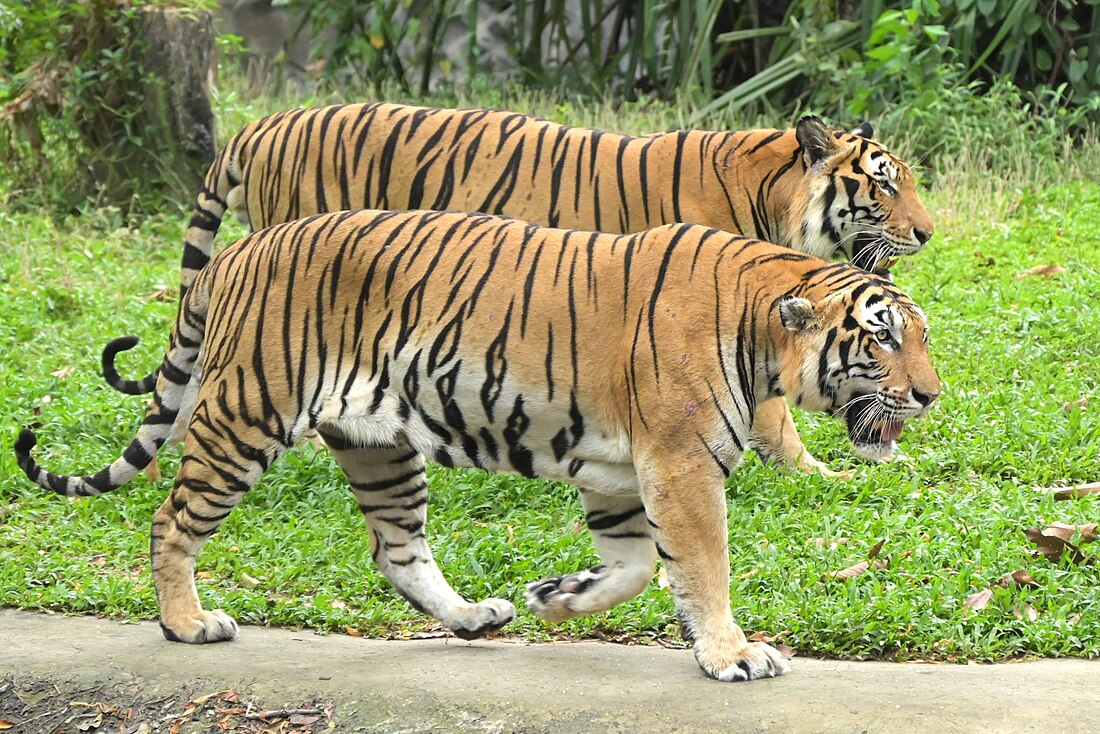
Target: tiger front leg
687,506
776,439
391,488
209,484
621,533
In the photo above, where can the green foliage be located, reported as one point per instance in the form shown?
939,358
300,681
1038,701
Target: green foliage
76,101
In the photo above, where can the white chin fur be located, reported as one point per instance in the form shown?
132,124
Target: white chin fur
876,451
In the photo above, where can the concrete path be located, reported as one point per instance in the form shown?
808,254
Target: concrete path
446,685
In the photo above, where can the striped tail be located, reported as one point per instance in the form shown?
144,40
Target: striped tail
210,207
174,390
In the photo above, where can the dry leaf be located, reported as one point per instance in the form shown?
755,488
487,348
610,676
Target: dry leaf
1079,403
1072,493
337,604
748,574
786,651
249,582
847,573
983,260
1026,611
64,373
203,575
353,632
1054,541
765,637
162,293
5,724
301,720
1017,578
1043,271
662,578
1073,620
876,549
979,600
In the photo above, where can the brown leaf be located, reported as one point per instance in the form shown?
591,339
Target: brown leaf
300,720
786,650
1016,578
1053,541
1073,620
662,578
1072,493
203,575
979,600
748,574
766,637
338,604
64,373
352,631
162,293
4,724
876,549
1043,271
847,573
1079,403
1026,611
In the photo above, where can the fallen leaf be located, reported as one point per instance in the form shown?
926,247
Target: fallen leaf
1053,541
99,561
978,600
766,637
162,293
984,261
64,373
1072,493
786,651
748,574
1043,271
876,549
249,582
1079,403
847,573
338,604
1073,620
1026,611
662,578
352,631
300,720
1017,578
203,575
229,694
6,724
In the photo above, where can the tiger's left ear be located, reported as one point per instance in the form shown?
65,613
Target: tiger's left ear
864,130
797,314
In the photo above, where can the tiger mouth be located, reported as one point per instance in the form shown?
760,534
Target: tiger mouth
865,431
872,251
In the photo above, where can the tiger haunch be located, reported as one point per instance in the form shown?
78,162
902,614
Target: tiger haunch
629,366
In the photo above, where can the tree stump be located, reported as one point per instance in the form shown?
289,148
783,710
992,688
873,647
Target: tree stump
155,127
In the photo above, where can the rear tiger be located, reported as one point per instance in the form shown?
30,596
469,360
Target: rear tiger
632,367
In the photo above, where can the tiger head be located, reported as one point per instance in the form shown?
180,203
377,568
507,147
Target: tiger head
861,202
860,353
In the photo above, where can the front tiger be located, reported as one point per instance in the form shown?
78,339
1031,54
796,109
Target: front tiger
629,366
825,192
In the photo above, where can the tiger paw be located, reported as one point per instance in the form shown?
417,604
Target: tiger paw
754,660
482,619
215,626
551,599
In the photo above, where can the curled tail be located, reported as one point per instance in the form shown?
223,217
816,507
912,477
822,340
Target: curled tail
171,408
219,191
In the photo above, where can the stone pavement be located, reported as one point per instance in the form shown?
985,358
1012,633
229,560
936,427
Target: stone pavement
446,685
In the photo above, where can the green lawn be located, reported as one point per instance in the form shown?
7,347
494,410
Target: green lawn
1012,351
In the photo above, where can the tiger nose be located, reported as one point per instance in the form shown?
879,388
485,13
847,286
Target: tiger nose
922,235
924,398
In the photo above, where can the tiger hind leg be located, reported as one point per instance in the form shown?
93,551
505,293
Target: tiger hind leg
391,487
214,474
627,552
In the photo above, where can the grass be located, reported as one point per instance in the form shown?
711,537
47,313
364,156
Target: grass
1012,351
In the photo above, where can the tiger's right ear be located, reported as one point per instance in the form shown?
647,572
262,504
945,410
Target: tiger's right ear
816,141
797,314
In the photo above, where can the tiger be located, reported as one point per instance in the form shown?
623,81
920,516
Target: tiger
825,192
631,366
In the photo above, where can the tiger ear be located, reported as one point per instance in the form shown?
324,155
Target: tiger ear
816,141
797,314
864,130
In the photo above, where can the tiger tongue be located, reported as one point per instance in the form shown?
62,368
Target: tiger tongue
890,430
